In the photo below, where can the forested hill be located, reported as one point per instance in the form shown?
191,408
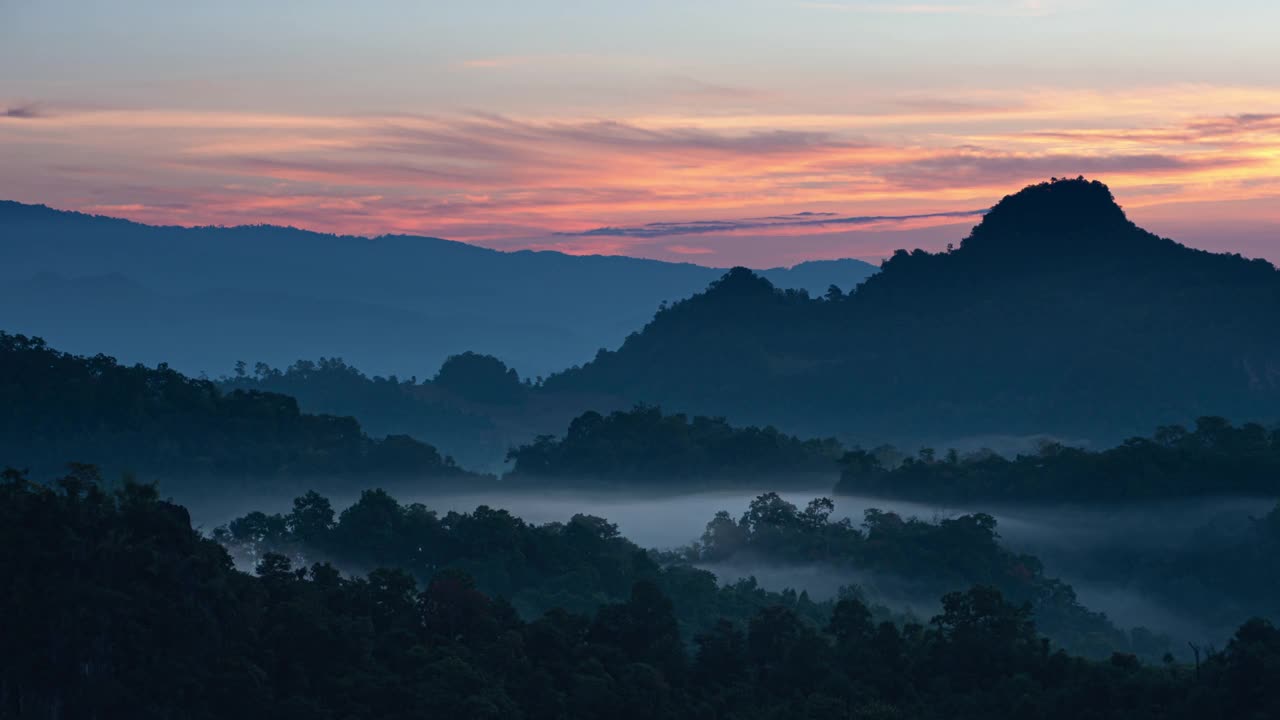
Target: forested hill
1056,315
203,298
56,407
644,448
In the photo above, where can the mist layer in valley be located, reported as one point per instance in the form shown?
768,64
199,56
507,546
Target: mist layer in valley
1093,549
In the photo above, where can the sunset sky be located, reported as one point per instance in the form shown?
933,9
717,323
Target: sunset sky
759,132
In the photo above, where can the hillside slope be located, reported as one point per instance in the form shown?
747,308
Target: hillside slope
1056,315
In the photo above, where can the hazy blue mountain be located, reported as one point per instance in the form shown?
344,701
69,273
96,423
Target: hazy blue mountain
202,298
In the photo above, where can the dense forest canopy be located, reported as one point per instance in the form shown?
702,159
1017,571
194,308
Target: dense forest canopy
645,448
581,563
55,406
575,565
1214,458
175,630
1057,315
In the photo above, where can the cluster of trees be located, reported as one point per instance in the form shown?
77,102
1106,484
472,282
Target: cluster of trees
576,565
439,409
579,564
480,378
1056,315
645,447
115,607
55,405
908,561
330,385
331,381
1215,458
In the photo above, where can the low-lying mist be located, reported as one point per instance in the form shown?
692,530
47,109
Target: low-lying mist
1087,547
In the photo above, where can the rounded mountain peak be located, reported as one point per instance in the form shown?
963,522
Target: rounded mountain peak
741,282
1060,216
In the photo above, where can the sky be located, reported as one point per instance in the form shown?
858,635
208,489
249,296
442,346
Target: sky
754,132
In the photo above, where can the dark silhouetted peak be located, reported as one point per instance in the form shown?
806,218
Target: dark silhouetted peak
1059,217
482,378
741,282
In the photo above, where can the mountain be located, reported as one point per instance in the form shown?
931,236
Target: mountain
1056,315
203,298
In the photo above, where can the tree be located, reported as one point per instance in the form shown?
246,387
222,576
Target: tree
817,512
480,378
644,628
770,511
312,518
851,623
982,635
721,655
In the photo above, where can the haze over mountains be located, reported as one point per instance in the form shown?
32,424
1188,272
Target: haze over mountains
202,298
1056,316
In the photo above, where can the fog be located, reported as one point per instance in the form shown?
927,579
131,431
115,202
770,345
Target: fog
660,522
665,521
652,521
1073,542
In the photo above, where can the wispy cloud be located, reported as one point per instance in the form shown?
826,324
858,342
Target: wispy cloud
978,166
803,220
1236,125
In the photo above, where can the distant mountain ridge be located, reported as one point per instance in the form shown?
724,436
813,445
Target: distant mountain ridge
1055,315
202,298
